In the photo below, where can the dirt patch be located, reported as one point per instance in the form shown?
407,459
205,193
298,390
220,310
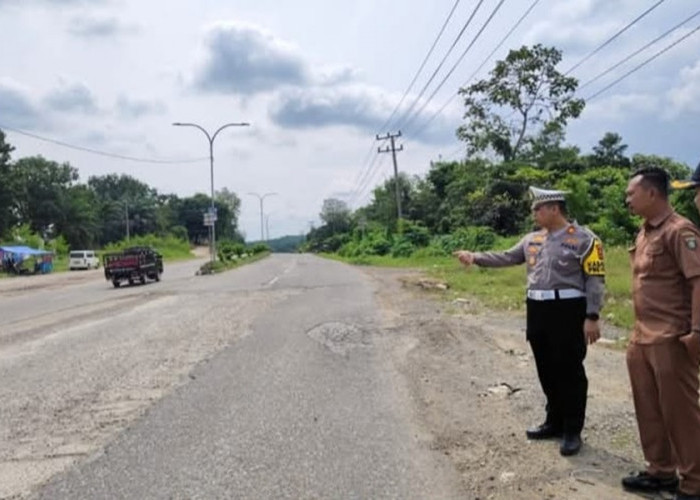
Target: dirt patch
474,386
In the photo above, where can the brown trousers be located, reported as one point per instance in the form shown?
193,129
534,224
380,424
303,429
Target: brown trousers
665,386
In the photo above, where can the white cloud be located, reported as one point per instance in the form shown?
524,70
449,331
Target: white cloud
75,97
245,59
685,96
135,108
16,107
92,27
618,107
357,106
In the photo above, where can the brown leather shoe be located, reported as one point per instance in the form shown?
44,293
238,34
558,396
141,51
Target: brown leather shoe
643,481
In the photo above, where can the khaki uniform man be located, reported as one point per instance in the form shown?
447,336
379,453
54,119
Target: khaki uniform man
565,285
663,356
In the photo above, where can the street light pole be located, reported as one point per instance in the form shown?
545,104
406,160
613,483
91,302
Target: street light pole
210,138
261,198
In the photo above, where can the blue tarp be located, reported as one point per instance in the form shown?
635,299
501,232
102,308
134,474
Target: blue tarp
21,250
13,259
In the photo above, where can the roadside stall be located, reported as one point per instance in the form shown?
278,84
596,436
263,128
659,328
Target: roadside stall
25,260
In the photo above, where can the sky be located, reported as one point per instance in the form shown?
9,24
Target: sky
317,81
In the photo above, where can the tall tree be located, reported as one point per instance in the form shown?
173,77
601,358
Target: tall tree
125,200
228,208
40,188
610,152
6,190
526,101
335,214
80,224
191,215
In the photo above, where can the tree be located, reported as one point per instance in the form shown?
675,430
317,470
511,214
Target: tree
80,222
610,152
228,209
335,214
525,101
40,191
6,198
123,198
191,215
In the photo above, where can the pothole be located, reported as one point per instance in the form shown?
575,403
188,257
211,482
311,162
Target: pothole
340,338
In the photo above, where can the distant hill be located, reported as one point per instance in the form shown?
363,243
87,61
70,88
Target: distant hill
285,244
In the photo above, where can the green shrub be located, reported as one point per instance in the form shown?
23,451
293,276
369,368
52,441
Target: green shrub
415,233
476,238
259,248
229,250
402,248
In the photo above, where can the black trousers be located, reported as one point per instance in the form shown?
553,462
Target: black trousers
555,334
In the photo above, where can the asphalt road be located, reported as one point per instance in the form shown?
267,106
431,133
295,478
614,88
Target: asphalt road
270,381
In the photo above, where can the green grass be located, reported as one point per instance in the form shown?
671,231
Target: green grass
504,288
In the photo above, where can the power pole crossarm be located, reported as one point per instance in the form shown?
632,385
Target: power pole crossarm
393,150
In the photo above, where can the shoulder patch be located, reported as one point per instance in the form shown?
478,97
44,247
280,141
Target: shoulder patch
594,259
691,242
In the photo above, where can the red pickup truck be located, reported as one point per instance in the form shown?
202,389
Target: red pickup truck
133,264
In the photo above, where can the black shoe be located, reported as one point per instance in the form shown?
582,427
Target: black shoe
643,481
544,431
684,496
571,445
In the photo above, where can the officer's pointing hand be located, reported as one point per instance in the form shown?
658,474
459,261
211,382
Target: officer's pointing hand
466,258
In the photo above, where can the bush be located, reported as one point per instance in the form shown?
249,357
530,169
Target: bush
179,232
414,233
476,238
229,251
169,246
58,246
402,248
259,248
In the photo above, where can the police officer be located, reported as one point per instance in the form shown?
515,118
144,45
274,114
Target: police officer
663,355
565,285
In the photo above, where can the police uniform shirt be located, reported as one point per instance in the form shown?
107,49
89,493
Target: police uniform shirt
571,258
665,257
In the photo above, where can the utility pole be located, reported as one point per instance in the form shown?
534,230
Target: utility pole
393,151
262,199
126,206
267,227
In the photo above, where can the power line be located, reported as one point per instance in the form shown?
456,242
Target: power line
422,66
393,150
612,38
457,63
371,175
432,77
96,151
363,172
449,51
360,182
621,62
641,65
486,60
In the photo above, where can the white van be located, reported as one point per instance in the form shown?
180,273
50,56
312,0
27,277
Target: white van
83,259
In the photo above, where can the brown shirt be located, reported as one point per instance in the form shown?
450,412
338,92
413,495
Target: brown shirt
665,257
